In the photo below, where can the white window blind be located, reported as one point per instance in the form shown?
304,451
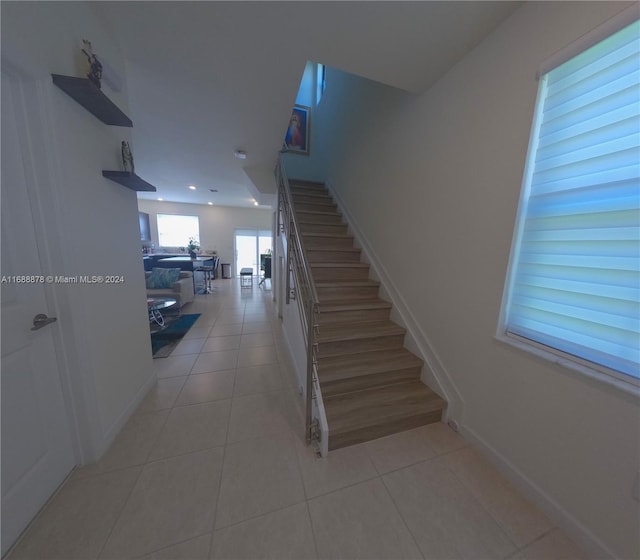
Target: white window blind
575,281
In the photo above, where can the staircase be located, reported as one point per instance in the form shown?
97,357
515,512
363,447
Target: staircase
370,383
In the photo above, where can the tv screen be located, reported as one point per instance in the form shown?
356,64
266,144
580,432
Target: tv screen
145,229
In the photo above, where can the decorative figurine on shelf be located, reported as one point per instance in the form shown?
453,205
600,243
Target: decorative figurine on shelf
127,157
95,72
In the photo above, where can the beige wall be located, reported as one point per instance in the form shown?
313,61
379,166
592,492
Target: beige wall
217,223
432,182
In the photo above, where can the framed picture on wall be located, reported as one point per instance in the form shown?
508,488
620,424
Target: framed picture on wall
296,140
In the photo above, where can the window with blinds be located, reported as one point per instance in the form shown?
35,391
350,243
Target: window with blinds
574,285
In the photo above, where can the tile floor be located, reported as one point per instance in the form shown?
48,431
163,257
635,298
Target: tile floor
213,466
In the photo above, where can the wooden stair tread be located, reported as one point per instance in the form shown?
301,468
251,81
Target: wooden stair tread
333,250
329,235
318,212
308,222
374,407
319,195
348,284
339,305
355,331
338,265
306,183
366,363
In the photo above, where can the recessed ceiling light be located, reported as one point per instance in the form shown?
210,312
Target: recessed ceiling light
161,199
210,203
192,187
240,154
255,203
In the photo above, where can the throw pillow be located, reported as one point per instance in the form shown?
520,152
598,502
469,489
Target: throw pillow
163,278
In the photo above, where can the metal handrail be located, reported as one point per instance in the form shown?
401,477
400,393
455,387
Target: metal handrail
305,290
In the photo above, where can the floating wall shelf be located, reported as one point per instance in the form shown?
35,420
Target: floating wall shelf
129,180
92,99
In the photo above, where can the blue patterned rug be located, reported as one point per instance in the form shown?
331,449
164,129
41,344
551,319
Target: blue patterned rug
164,341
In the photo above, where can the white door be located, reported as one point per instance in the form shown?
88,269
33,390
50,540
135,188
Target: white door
37,453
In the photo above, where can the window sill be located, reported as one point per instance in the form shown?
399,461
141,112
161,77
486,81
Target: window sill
628,387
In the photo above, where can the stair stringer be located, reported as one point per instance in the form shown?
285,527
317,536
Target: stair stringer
433,374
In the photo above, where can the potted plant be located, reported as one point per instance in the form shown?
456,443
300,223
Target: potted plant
192,247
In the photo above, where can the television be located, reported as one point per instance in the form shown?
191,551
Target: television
145,228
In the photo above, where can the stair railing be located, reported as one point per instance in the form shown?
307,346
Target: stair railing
303,291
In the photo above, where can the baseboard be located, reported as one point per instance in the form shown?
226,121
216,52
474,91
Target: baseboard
434,375
593,546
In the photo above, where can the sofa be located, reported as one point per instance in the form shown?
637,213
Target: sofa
181,289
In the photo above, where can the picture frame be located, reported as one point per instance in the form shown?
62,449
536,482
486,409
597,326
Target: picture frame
297,137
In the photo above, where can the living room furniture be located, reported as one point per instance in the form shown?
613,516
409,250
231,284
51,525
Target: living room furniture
208,270
265,267
246,277
181,290
155,306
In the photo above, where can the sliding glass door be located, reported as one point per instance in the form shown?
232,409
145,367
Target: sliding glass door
249,245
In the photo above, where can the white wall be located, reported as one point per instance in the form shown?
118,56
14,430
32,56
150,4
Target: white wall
433,183
91,224
217,223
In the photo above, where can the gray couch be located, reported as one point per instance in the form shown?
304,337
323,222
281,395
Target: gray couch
181,291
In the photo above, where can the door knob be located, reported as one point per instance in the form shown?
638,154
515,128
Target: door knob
41,320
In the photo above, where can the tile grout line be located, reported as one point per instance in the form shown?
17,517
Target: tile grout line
224,455
404,521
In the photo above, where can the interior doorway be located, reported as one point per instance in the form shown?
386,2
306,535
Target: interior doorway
249,245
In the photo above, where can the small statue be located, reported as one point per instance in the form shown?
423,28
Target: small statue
95,74
127,157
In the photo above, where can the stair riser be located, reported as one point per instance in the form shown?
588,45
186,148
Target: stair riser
361,315
361,382
339,274
321,256
314,242
336,441
311,207
361,345
334,218
343,293
324,228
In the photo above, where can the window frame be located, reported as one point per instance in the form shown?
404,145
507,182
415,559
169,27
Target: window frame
592,370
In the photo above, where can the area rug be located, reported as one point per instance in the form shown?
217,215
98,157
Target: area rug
164,341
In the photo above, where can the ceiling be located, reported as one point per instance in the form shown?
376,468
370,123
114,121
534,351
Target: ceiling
207,78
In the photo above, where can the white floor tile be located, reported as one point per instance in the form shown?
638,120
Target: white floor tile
260,475
193,549
283,535
343,467
172,501
216,361
361,522
78,520
206,387
520,519
443,516
400,450
191,428
257,379
554,546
